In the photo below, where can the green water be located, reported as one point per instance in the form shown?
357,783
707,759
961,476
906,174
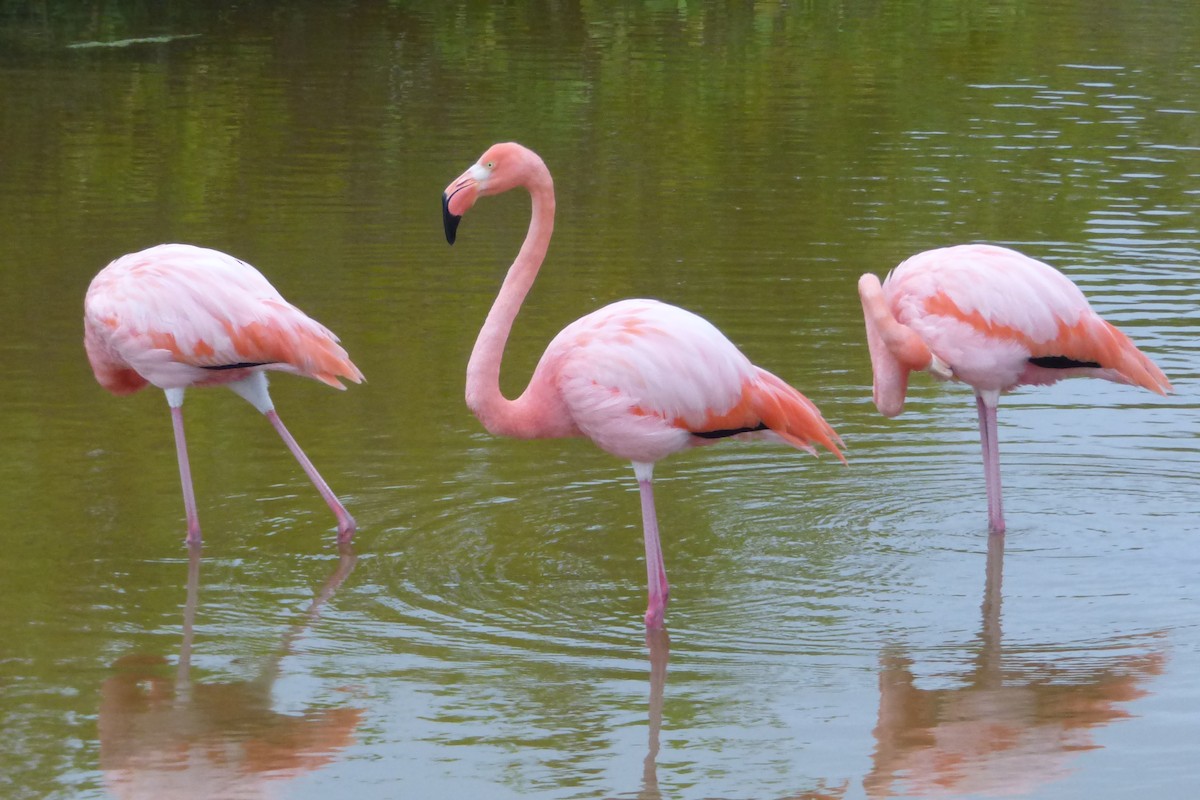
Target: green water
833,632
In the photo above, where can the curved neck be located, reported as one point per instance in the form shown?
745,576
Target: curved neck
498,414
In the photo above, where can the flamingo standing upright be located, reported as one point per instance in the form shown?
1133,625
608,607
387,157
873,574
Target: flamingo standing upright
640,378
177,315
994,319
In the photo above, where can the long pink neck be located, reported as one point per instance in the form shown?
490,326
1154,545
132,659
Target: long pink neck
498,414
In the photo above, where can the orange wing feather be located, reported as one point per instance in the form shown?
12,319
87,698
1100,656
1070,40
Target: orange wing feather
1089,339
768,400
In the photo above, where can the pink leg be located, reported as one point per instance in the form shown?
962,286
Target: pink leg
991,460
656,572
185,477
346,524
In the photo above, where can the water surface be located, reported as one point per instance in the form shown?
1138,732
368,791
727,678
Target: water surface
834,631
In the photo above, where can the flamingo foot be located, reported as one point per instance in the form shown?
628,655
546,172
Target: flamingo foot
656,607
346,528
654,615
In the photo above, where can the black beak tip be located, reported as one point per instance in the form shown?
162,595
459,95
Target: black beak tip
449,221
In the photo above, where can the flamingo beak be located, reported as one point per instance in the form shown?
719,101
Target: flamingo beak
449,220
458,197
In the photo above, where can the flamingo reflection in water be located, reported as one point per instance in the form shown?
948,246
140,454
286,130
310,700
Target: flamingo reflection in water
164,736
1010,729
658,642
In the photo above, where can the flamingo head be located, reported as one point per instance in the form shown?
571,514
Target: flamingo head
504,166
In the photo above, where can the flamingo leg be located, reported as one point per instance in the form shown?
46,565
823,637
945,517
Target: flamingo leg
175,401
985,404
346,524
658,590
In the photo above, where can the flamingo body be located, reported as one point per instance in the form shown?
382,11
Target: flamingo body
996,320
640,378
644,379
176,315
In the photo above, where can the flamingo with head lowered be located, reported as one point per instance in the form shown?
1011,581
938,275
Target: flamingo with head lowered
640,378
994,319
177,315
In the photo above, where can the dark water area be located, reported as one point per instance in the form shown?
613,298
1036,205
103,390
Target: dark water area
834,632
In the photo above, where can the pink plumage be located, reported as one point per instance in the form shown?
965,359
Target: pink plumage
177,315
640,378
994,319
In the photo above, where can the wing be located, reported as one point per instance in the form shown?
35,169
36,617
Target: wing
1000,319
170,310
644,379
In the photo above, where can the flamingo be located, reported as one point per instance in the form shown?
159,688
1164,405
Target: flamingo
994,319
176,315
640,378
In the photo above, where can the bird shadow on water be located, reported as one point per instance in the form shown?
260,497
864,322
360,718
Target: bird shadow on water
1014,721
169,735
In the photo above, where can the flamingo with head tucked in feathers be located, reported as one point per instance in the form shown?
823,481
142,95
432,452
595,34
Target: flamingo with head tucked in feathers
994,319
176,316
640,378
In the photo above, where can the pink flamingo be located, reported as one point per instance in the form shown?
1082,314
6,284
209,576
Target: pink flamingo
178,316
994,319
640,378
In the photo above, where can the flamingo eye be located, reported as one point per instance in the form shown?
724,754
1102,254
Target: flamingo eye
490,165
